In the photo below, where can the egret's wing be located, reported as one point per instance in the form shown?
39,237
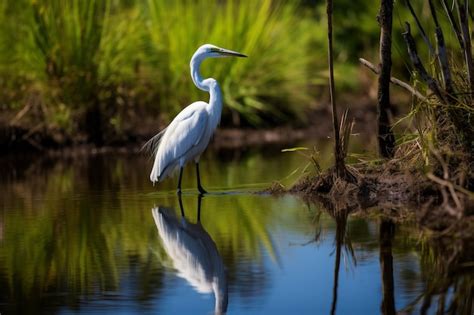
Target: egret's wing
184,133
187,129
151,146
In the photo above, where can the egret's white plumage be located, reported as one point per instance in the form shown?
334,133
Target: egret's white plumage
184,139
194,255
188,135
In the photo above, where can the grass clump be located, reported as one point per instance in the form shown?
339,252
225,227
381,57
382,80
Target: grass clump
78,68
85,67
56,56
446,115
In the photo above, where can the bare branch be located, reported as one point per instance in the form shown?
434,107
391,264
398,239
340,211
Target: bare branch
394,80
451,189
21,113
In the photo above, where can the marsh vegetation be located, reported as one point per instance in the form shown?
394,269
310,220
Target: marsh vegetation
98,71
372,180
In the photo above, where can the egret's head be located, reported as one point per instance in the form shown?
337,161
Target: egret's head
208,50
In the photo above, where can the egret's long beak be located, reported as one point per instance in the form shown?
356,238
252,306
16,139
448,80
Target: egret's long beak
227,52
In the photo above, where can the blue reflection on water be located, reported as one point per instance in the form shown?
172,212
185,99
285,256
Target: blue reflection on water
272,265
300,280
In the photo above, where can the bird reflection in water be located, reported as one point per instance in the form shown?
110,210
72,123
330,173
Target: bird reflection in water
193,252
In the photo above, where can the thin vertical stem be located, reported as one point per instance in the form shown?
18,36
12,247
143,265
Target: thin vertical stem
337,146
420,27
442,54
453,23
385,135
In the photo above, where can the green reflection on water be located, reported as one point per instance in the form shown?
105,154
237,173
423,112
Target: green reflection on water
76,227
72,226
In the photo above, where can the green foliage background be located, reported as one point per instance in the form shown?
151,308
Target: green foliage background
122,60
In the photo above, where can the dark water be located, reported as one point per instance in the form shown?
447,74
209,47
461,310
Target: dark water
92,235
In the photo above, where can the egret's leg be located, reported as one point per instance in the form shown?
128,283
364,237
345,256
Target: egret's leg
200,188
199,207
179,180
181,205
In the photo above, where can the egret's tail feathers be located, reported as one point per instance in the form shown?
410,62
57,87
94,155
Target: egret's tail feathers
151,146
159,173
154,175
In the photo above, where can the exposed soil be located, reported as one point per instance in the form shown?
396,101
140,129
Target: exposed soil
388,191
19,139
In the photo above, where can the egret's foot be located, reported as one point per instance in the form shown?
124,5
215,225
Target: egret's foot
202,191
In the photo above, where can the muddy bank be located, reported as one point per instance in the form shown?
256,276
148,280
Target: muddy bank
17,141
14,138
387,190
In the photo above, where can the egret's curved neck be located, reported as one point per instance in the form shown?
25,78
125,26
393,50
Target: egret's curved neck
197,79
208,85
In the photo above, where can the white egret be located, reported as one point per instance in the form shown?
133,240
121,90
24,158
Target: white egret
188,135
193,253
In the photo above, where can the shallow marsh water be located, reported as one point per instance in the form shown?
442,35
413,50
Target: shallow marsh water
92,235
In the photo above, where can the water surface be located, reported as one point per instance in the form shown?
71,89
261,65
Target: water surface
92,235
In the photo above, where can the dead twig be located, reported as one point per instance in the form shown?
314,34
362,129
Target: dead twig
35,144
446,176
21,113
27,135
394,80
449,190
458,210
